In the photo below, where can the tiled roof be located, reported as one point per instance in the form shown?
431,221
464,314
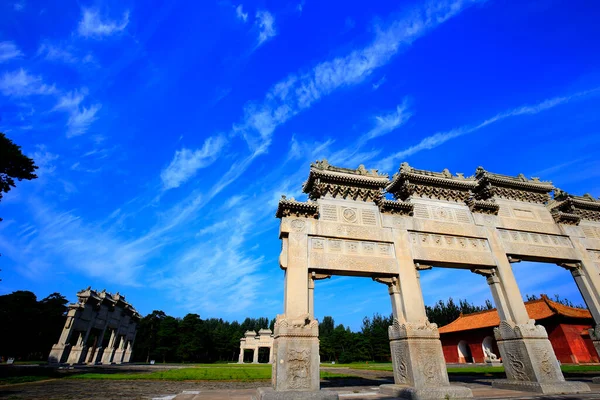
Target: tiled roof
537,309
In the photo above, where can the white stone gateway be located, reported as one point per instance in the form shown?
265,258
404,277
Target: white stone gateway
254,342
481,223
100,328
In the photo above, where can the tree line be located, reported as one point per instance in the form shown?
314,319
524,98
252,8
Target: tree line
29,328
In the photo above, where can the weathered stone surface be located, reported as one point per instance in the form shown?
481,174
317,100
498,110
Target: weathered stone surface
427,393
87,321
482,223
271,394
296,354
543,387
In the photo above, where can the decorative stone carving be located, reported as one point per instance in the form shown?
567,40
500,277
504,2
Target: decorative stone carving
395,207
483,207
570,209
409,182
360,184
81,340
290,207
490,185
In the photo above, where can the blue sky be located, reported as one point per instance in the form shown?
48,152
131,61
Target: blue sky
166,133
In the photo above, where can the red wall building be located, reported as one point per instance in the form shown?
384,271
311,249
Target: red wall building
464,339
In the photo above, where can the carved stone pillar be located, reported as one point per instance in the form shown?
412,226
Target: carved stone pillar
108,353
417,356
120,352
527,355
58,351
271,354
255,355
296,332
312,277
241,357
78,351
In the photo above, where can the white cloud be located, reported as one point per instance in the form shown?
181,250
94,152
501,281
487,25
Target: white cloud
239,12
266,25
80,117
55,53
9,51
44,160
440,138
71,100
387,123
299,92
19,5
187,162
92,24
20,83
380,82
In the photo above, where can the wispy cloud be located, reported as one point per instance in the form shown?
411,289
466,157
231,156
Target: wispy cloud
380,82
80,117
56,53
19,5
239,12
298,92
9,51
386,123
62,238
187,162
266,26
440,138
20,83
44,160
94,26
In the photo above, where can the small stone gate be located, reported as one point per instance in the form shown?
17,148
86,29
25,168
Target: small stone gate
481,223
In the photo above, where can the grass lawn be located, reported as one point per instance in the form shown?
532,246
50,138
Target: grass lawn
211,372
23,379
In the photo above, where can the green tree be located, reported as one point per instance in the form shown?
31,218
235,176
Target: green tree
13,165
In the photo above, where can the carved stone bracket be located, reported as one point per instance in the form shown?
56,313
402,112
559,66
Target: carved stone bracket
421,267
570,266
565,218
483,207
291,207
386,281
508,330
483,272
317,277
513,260
404,330
395,207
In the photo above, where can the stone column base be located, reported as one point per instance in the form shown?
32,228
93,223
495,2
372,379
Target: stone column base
118,357
57,352
296,354
270,394
418,362
543,387
529,360
77,355
434,392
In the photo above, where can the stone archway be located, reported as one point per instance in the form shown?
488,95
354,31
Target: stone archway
481,223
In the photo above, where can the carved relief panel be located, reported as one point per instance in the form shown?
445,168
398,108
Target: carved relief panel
440,249
345,255
537,245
